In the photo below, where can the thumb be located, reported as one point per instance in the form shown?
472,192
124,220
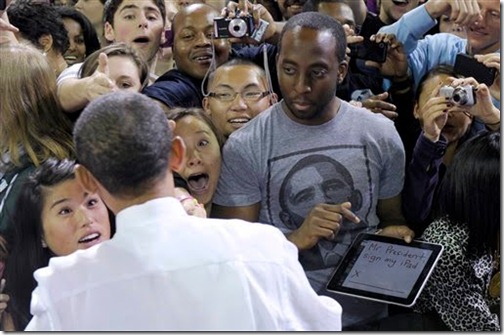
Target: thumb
381,96
103,64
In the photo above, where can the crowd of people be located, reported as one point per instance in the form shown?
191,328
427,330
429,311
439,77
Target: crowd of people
155,175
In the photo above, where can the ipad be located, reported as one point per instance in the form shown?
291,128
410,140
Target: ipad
385,269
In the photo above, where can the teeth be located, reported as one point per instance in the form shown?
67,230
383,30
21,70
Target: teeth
88,238
203,58
242,120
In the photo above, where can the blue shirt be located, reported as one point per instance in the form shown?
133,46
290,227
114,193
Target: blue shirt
426,53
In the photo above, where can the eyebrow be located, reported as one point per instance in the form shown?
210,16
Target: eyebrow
147,8
59,202
231,88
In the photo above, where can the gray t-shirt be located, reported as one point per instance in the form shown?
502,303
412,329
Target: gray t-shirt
288,167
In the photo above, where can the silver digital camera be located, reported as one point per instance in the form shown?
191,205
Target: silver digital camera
460,95
236,27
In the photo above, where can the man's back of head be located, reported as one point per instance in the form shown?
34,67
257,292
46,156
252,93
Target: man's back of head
124,140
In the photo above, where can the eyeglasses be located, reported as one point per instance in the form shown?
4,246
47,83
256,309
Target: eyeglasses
249,96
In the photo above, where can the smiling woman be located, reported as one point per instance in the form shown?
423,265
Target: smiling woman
55,217
81,35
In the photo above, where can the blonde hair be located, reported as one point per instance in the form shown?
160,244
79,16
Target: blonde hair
31,120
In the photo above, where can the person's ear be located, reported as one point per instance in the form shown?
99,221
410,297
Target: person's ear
177,154
206,106
86,179
273,98
415,111
342,71
172,124
46,41
108,32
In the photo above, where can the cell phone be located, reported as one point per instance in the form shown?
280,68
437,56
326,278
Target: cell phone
3,4
468,66
369,50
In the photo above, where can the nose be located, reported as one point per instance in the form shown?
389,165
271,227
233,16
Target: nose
193,158
71,46
238,103
143,22
83,217
303,84
202,39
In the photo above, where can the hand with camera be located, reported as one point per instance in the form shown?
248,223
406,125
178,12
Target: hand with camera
245,22
482,106
395,65
435,114
492,60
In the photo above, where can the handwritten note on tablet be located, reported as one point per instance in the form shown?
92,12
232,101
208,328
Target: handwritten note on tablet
378,258
385,269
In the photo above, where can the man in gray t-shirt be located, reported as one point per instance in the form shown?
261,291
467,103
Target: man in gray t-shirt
316,167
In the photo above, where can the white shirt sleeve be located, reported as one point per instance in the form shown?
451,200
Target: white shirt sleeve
70,72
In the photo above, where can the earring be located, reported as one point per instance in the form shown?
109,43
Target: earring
44,244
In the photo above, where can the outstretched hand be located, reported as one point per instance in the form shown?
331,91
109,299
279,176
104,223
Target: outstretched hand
100,83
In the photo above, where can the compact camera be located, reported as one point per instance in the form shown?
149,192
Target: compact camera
236,27
460,95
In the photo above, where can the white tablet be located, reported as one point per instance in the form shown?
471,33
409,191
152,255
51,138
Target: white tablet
385,269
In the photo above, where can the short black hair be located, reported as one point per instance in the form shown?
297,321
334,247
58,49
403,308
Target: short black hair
111,6
35,19
320,22
469,194
91,40
235,62
124,140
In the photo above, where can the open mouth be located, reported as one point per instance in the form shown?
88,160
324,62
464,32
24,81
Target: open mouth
90,238
400,2
198,183
141,40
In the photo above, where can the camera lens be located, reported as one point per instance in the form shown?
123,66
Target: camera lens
459,96
237,27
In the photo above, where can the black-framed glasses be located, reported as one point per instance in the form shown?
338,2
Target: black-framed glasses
249,96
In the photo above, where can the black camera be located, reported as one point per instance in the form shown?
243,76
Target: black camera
236,27
369,50
460,95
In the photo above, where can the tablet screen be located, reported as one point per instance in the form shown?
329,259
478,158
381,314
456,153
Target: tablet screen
385,269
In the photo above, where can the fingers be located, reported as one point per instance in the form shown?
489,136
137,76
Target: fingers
103,64
489,60
343,209
7,26
399,231
353,39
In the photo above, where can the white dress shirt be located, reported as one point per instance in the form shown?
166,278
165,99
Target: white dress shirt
165,270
